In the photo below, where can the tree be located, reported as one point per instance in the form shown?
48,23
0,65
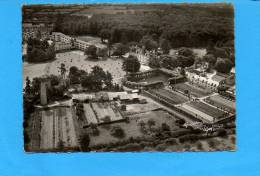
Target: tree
182,72
107,119
62,70
91,52
131,64
154,61
117,132
210,59
141,123
28,86
74,70
185,61
169,62
165,127
165,45
148,43
151,122
180,121
58,25
123,38
223,65
108,80
185,52
102,52
104,35
84,142
120,49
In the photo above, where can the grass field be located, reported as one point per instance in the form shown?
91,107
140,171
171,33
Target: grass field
170,96
55,130
195,91
105,109
132,129
219,101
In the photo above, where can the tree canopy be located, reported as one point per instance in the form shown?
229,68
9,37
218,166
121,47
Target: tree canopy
131,64
223,65
91,52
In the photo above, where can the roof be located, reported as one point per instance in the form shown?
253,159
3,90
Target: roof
83,96
217,78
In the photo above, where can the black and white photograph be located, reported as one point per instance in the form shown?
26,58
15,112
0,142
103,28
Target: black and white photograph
128,77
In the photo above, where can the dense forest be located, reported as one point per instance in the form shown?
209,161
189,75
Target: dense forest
189,25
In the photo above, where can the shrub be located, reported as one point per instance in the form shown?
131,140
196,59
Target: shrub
117,132
199,146
84,142
171,141
165,127
222,133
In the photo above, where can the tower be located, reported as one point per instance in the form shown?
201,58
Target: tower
45,84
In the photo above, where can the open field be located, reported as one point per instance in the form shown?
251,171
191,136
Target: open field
73,58
132,129
171,96
138,108
195,91
105,109
56,130
221,102
214,112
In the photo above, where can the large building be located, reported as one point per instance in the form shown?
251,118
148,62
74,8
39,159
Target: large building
69,41
40,30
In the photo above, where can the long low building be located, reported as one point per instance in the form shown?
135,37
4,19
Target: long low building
73,42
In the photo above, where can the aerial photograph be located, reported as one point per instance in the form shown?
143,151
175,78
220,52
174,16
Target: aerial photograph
128,77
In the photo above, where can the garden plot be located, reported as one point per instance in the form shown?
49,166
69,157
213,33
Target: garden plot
222,102
196,113
195,91
170,96
89,114
138,108
214,112
57,129
104,110
132,128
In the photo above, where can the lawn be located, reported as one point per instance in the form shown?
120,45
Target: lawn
195,91
132,129
105,109
138,108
